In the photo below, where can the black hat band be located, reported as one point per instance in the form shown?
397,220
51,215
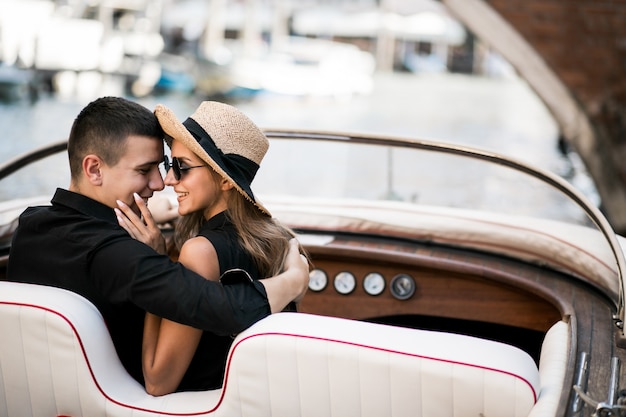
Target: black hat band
239,168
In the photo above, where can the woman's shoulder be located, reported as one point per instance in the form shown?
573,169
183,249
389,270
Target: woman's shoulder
196,243
197,246
199,255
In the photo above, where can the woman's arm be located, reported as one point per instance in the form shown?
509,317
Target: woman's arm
168,347
167,350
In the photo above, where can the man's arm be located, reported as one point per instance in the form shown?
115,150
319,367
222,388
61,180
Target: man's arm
126,270
288,286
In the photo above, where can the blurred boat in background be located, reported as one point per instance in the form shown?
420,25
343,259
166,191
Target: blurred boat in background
76,47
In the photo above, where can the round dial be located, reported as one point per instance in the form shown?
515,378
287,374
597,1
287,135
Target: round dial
374,283
402,286
344,282
317,280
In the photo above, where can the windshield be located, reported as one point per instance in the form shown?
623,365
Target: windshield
342,170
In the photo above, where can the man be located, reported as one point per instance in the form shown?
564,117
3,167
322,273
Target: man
115,148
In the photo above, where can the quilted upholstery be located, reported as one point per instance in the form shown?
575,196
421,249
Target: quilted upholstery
321,366
56,359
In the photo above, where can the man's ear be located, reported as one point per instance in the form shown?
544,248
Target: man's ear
92,169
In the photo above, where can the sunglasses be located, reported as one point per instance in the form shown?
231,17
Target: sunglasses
179,169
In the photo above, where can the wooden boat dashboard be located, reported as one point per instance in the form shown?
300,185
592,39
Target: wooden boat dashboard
448,283
459,291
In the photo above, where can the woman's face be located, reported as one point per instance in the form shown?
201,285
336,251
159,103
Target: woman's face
199,189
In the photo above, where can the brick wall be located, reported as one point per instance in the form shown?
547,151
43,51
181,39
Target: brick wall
584,43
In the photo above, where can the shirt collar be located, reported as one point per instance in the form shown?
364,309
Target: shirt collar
84,204
216,221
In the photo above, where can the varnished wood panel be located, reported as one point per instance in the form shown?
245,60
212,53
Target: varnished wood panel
447,285
439,293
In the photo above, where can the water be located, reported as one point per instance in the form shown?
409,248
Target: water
498,114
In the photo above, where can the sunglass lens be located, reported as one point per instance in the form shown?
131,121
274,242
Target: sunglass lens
174,165
176,168
166,163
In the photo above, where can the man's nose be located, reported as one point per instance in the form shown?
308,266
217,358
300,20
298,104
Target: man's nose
156,181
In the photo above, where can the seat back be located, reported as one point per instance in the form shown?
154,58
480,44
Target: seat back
337,367
56,359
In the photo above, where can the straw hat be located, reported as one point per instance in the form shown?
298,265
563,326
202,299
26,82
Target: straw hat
223,137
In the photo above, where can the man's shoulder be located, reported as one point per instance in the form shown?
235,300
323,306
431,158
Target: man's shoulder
36,210
67,223
38,214
33,215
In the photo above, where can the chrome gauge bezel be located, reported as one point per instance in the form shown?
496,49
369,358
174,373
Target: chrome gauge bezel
374,283
344,282
318,280
402,286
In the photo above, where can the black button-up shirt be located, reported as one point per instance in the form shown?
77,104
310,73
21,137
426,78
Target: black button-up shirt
77,244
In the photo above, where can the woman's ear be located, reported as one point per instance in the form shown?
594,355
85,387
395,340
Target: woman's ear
226,185
92,169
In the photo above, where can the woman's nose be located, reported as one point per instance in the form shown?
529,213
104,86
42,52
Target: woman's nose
169,177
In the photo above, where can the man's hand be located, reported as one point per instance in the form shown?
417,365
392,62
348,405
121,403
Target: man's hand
143,229
299,266
291,284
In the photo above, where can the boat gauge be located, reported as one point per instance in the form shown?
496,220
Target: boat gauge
344,283
402,286
374,283
318,280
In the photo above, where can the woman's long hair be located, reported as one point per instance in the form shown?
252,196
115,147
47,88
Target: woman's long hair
263,237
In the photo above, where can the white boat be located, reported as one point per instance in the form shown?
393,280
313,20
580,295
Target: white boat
448,281
305,67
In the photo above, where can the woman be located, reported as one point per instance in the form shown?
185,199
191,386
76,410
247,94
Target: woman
216,153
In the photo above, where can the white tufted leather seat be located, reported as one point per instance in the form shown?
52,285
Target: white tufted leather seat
56,359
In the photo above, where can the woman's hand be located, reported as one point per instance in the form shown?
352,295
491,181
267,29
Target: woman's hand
144,228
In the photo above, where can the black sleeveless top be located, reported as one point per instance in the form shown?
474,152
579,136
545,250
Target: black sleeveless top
206,370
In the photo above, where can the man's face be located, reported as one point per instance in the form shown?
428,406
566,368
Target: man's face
137,171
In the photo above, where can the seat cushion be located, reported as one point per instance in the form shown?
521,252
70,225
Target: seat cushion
324,366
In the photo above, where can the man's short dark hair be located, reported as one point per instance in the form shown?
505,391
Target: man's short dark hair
102,128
